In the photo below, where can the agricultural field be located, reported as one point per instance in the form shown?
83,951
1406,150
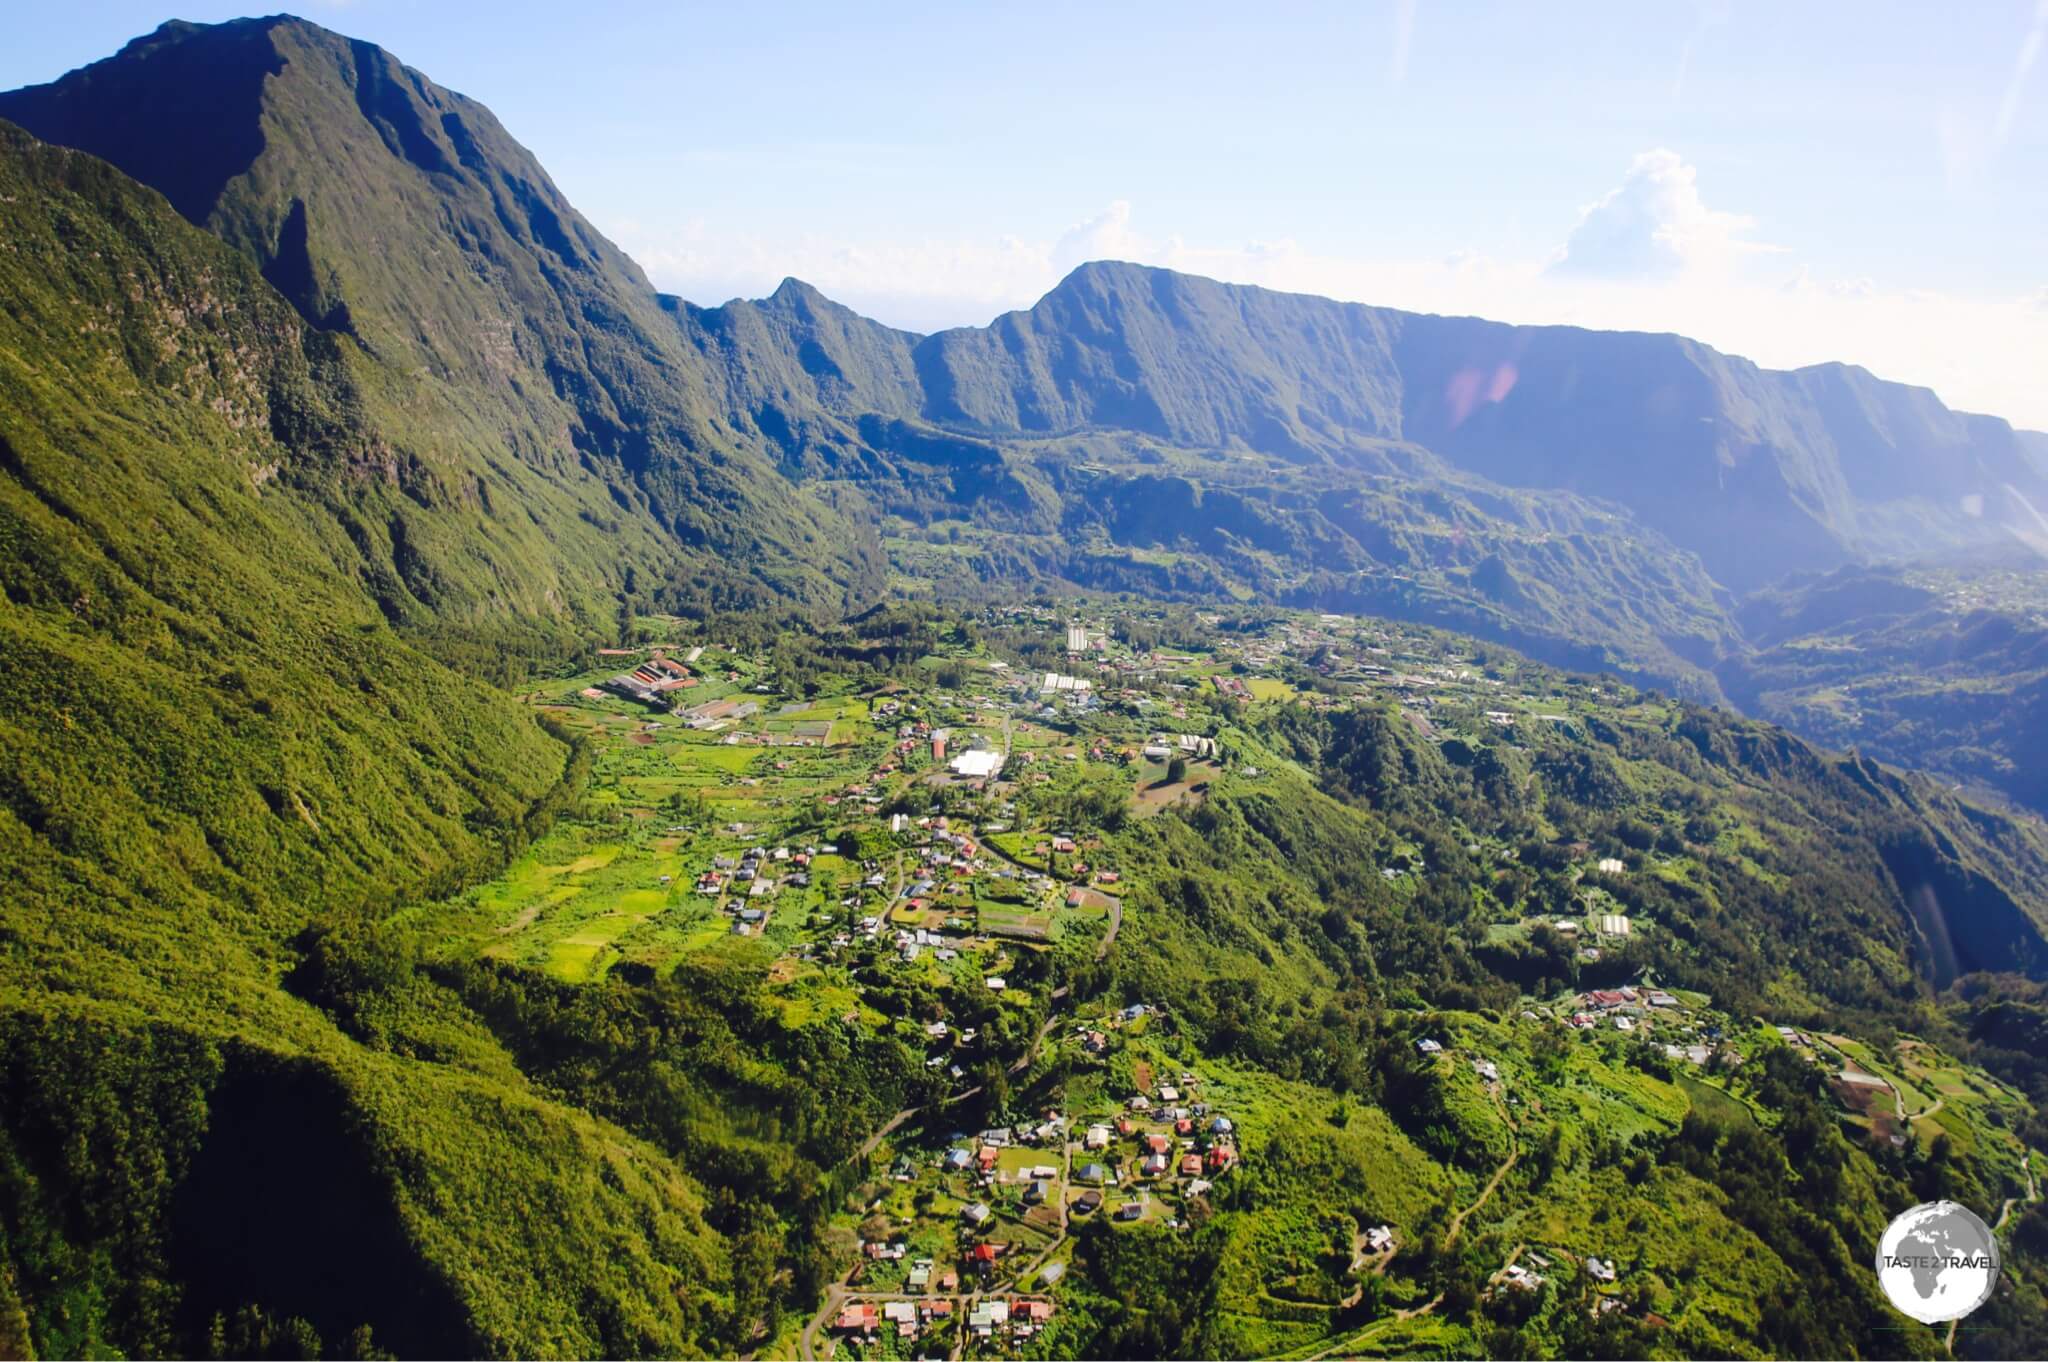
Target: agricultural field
1544,1158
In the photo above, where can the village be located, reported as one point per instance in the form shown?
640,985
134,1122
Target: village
951,830
932,858
973,1238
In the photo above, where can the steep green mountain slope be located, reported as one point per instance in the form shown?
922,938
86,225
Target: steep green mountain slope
246,1113
515,352
212,739
1583,495
277,503
1075,463
804,370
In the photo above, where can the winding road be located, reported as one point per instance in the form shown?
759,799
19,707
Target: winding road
2004,1214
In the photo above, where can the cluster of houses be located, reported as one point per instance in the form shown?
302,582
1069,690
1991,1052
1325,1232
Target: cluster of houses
1023,1317
652,681
1530,1278
740,879
1628,1009
1011,1317
1197,1145
1620,1006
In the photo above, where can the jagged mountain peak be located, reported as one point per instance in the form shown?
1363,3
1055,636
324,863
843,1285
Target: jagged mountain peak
793,292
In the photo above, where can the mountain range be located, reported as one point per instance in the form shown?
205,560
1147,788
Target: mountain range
402,216
325,419
1596,499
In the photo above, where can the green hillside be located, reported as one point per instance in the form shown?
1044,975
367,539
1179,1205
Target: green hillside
539,428
381,973
213,738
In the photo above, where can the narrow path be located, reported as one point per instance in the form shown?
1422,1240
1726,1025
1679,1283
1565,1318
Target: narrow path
1458,1219
1350,1341
1450,1237
2026,1171
894,1123
1899,1104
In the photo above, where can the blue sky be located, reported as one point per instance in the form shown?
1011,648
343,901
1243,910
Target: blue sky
1793,182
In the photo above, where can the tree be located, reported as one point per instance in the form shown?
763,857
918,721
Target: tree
1176,770
995,1090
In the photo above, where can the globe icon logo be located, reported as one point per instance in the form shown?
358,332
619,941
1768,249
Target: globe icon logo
1937,1262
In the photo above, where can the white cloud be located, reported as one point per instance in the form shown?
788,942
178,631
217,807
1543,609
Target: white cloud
1653,225
1106,236
1979,354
